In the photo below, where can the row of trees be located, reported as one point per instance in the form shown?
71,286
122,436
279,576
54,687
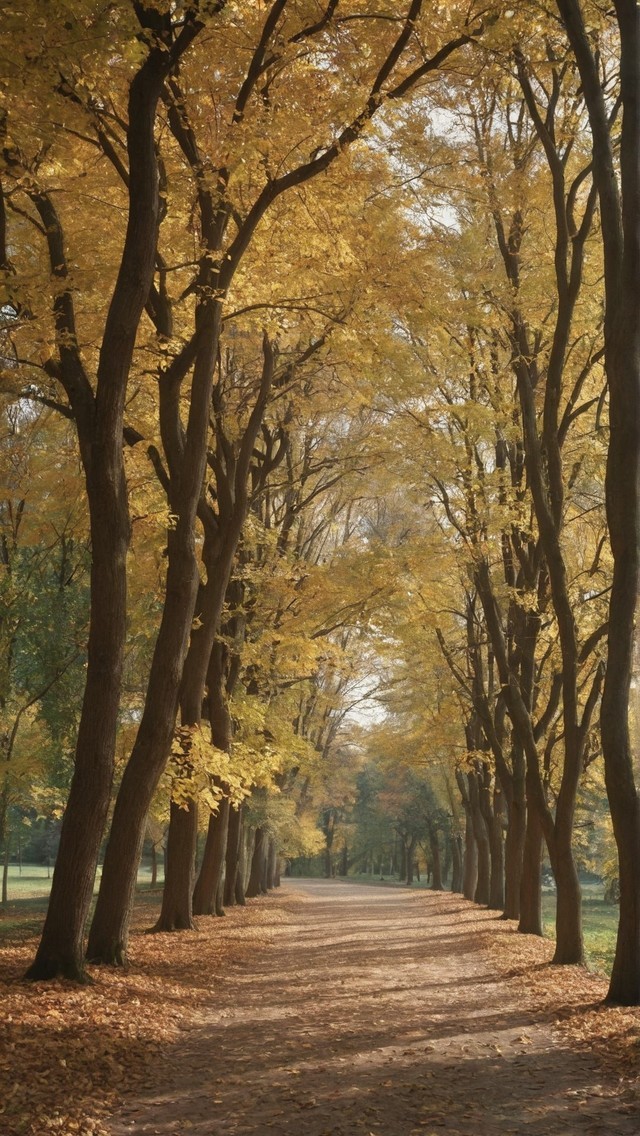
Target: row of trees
329,409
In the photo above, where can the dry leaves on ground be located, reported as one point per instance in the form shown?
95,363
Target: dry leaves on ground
67,1053
572,996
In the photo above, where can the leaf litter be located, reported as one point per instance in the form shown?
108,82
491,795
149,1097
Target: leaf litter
68,1054
307,1025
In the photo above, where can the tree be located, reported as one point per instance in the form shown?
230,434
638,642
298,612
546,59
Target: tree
97,411
618,184
230,210
552,357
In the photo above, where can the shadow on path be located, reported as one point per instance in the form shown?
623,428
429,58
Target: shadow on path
375,1012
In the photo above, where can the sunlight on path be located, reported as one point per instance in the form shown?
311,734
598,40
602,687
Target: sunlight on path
373,1012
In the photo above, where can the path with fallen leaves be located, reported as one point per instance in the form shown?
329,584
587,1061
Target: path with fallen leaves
382,1012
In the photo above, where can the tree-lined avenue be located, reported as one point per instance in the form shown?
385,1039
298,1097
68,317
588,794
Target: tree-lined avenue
376,1011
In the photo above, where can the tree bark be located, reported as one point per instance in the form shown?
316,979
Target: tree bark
177,913
410,854
272,864
208,882
515,837
232,860
496,845
456,859
241,875
108,938
329,827
436,863
481,894
254,886
264,867
5,871
100,424
402,869
470,859
470,877
531,882
620,226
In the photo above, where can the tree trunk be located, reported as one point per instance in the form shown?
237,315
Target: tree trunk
264,868
187,460
177,912
531,882
496,842
624,987
177,643
249,847
61,947
569,944
622,340
446,866
204,666
402,872
470,877
100,425
205,895
254,886
492,812
232,861
329,828
154,865
206,659
108,938
620,227
4,841
209,892
110,928
470,859
410,853
515,838
241,874
272,864
456,860
436,865
481,894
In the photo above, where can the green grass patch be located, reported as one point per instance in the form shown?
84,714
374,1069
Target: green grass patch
35,880
30,881
22,918
28,895
600,925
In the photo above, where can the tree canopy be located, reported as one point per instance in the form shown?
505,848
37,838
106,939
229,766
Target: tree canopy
319,450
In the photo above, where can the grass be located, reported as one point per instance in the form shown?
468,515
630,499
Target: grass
30,881
28,892
35,880
22,918
600,925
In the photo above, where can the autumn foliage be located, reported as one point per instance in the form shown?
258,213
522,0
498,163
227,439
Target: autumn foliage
319,350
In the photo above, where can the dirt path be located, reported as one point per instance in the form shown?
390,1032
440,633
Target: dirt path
372,1011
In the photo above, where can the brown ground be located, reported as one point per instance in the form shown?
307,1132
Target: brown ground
383,1012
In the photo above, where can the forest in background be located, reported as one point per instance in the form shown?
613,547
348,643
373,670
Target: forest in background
319,452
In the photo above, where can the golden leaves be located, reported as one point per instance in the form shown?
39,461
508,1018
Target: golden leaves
68,1054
